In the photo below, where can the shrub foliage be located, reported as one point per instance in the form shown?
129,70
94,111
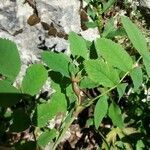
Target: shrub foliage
120,77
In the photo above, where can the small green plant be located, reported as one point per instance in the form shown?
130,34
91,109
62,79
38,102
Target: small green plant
102,64
96,11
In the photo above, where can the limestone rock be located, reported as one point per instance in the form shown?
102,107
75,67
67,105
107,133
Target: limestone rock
145,3
64,14
13,15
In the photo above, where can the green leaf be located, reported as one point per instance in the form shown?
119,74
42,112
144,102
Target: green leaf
108,5
121,89
9,95
114,54
87,83
91,24
70,95
92,14
34,79
115,115
109,27
46,137
100,110
57,62
47,111
42,114
90,122
21,121
119,32
146,61
58,102
140,145
77,45
135,35
10,60
138,41
101,73
137,77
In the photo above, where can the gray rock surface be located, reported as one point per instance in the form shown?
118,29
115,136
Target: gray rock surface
30,39
63,13
145,3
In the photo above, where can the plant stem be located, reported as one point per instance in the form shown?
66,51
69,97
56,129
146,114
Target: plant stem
72,116
68,121
92,100
99,20
62,132
107,145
